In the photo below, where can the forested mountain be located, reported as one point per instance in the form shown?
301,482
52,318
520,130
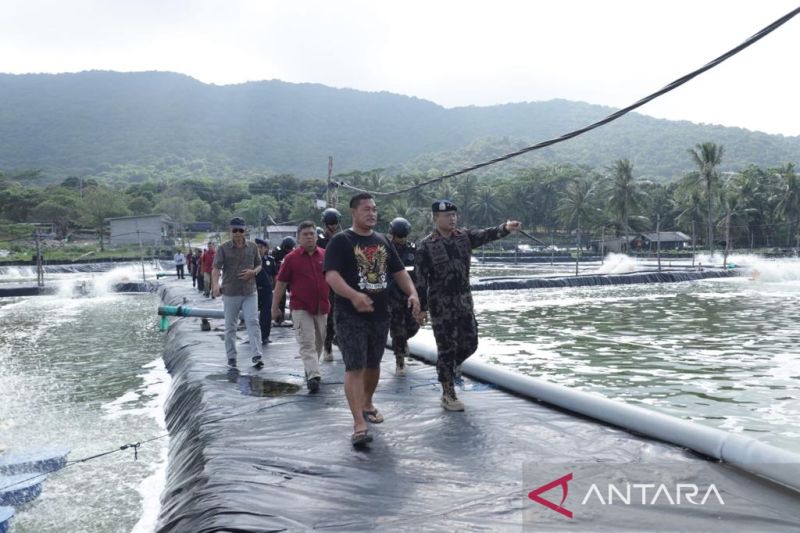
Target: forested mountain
85,123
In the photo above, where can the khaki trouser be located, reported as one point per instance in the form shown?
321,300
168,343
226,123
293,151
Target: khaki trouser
310,333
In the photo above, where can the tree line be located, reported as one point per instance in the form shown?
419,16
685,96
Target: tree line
752,207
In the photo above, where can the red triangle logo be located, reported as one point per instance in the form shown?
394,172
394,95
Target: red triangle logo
560,482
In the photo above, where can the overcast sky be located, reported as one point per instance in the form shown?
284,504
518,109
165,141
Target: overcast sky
455,53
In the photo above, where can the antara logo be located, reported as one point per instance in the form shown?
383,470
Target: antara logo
560,482
628,494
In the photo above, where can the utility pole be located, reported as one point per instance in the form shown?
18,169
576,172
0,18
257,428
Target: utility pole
141,253
693,248
658,238
39,266
578,247
727,239
331,191
603,246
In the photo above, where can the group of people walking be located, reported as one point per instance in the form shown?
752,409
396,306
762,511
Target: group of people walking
355,287
199,264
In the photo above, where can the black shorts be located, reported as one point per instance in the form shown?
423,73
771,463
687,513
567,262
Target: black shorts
362,342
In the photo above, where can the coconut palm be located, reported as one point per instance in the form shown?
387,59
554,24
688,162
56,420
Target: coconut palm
485,208
575,207
624,196
707,157
789,204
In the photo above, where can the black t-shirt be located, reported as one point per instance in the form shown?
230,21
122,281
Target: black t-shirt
366,264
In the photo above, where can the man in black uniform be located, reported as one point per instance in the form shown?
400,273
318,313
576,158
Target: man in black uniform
264,284
442,276
402,324
331,221
287,245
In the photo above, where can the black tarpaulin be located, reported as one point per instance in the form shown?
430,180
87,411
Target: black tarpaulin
242,461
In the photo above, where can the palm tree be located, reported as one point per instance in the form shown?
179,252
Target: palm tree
575,207
789,204
624,195
485,208
466,189
707,157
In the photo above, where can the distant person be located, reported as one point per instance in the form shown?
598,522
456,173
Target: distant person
310,302
442,276
180,262
287,245
238,262
190,264
198,268
265,281
208,267
331,222
402,323
358,264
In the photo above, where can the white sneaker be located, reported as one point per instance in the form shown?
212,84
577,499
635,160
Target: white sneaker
327,356
452,404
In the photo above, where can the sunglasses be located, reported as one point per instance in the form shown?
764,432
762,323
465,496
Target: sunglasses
237,230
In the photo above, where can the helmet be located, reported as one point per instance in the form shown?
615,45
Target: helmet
320,232
288,243
399,227
331,216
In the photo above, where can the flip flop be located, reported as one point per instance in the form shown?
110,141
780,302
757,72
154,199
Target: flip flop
360,438
373,417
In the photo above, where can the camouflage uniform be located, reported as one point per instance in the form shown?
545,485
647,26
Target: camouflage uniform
402,325
442,277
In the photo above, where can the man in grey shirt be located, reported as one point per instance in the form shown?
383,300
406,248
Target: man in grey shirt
240,262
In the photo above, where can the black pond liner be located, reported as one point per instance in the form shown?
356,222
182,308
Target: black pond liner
285,463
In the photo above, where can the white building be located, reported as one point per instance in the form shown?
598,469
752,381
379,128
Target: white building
276,234
150,230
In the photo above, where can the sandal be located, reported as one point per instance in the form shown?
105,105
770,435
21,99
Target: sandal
373,417
360,438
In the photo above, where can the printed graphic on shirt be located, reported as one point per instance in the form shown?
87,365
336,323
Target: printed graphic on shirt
372,267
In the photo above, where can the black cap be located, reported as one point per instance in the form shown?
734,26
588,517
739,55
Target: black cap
262,242
238,222
442,206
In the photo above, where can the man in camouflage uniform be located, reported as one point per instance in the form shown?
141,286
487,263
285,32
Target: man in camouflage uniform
442,277
402,324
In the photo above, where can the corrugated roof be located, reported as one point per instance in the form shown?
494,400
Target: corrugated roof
666,236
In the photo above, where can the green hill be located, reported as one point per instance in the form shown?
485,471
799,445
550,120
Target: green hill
77,124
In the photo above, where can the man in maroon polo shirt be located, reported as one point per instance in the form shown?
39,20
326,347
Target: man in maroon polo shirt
302,269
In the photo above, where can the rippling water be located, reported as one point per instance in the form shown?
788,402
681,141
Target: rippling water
721,352
86,373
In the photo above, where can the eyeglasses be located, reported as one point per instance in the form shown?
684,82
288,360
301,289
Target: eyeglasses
237,230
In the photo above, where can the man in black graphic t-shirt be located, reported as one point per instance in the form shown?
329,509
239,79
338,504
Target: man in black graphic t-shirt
358,264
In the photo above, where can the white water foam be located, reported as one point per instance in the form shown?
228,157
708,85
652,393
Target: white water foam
617,264
17,273
156,384
759,269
